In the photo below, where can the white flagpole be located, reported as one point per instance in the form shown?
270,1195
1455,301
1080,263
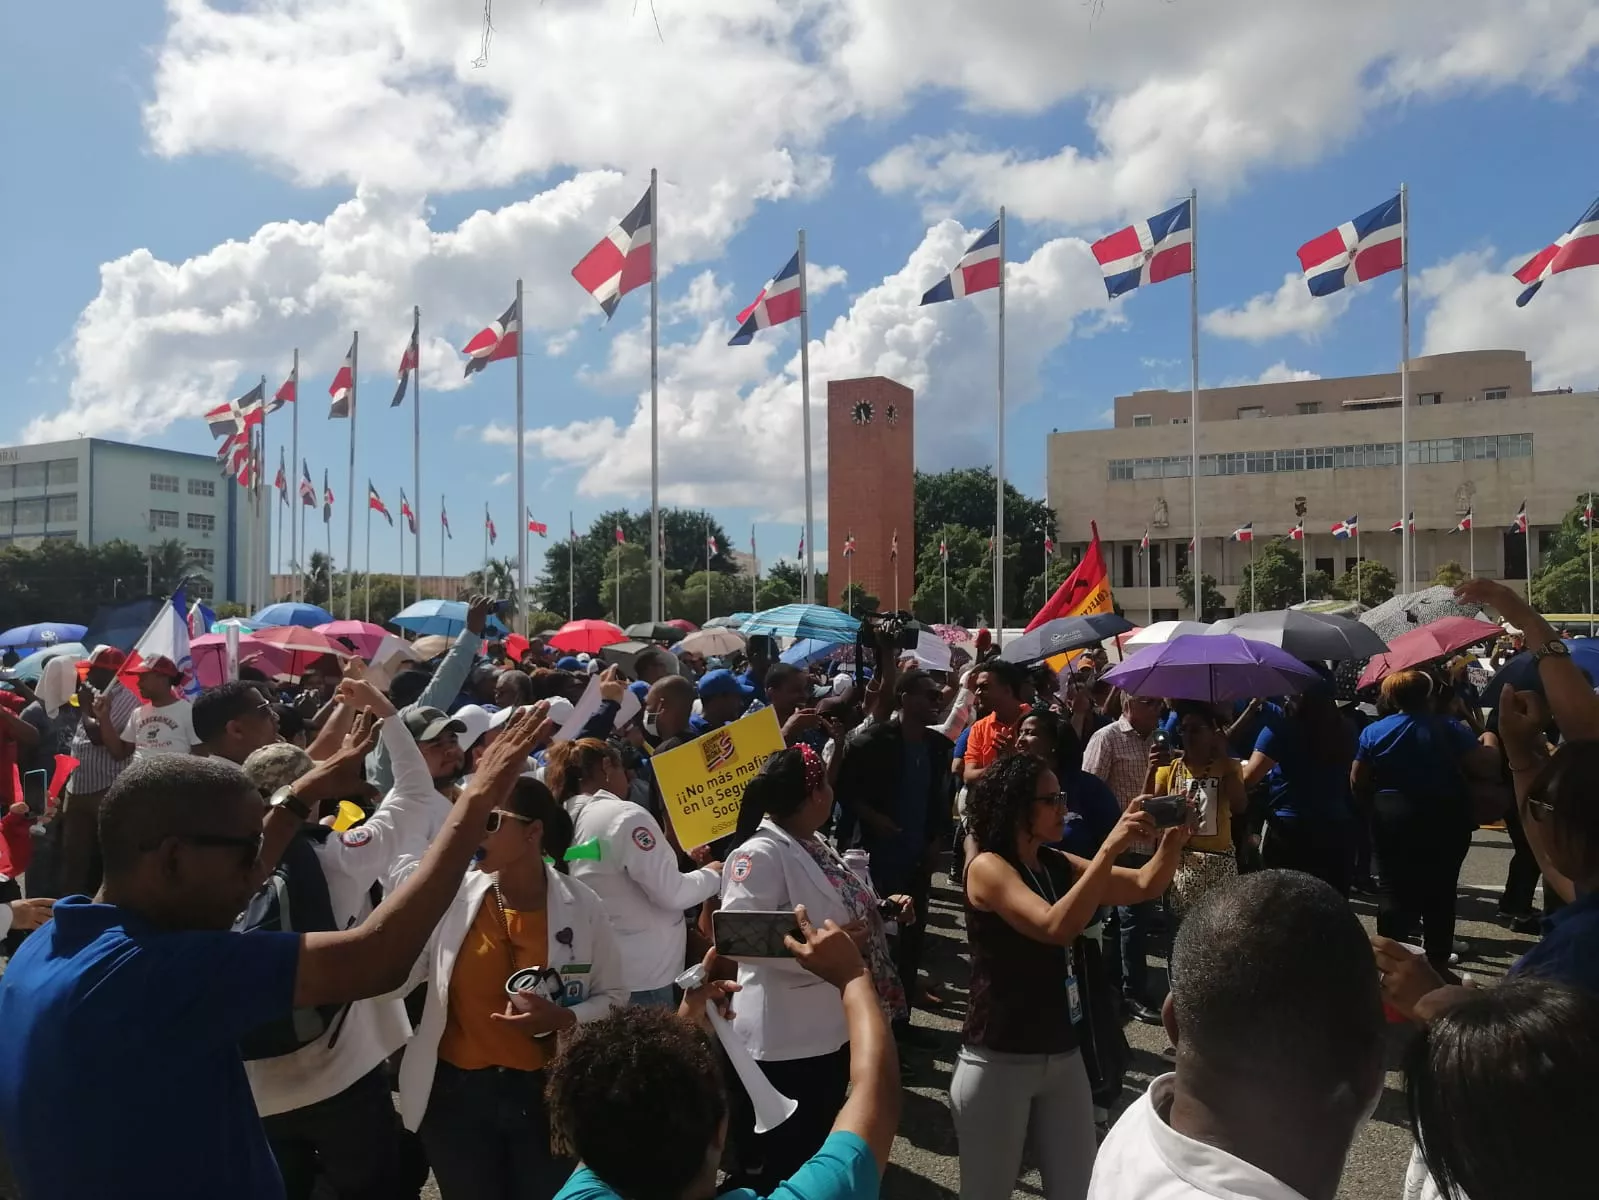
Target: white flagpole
944,557
618,583
416,431
368,558
1149,584
1196,566
521,473
349,495
571,568
486,545
707,566
1304,564
1527,537
656,577
808,576
443,513
263,550
300,544
278,566
297,543
402,565
999,458
1407,549
1358,593
1252,607
755,572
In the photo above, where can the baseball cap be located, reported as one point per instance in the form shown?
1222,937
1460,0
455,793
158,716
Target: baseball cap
723,683
107,658
475,722
426,723
159,665
568,662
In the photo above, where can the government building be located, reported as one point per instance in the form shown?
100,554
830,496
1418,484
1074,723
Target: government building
1481,440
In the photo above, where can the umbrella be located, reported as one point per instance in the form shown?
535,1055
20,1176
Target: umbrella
364,636
586,637
31,667
1307,636
299,647
430,647
654,631
1433,640
713,641
685,626
41,633
1163,631
1401,614
446,617
810,650
1064,634
804,621
209,653
238,623
1216,667
287,612
731,621
1520,672
955,635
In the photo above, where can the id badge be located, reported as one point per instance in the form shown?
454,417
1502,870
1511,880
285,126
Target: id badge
1074,999
574,984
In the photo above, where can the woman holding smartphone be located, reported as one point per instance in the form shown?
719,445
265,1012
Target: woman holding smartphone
1019,1072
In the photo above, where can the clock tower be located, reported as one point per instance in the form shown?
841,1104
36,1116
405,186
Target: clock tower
871,487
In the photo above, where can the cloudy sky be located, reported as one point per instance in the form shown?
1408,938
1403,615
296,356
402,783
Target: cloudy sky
199,187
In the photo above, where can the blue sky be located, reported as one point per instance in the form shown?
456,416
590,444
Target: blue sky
261,174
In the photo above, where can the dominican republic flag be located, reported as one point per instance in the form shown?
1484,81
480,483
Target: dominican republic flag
978,270
488,526
1587,513
800,554
282,481
342,389
1465,524
1399,526
538,527
244,459
621,261
893,546
711,546
1143,542
1297,533
307,488
1577,247
375,502
405,511
200,619
502,339
849,545
444,520
1346,529
1049,545
327,498
779,301
166,637
284,395
1370,245
1151,251
228,451
943,549
619,538
1244,533
408,362
752,541
1190,545
1519,525
237,416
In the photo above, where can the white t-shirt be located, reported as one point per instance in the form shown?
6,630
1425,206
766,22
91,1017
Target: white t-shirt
165,730
1144,1158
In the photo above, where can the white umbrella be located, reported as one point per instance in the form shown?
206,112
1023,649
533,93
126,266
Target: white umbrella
1163,631
711,642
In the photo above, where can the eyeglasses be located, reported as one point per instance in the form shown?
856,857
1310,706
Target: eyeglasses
497,817
249,847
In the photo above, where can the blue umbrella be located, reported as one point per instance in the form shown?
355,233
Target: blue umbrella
238,623
32,667
1521,672
1062,635
41,633
809,650
731,621
446,618
804,621
289,613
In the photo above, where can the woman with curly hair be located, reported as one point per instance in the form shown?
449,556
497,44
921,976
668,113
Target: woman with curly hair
1019,1070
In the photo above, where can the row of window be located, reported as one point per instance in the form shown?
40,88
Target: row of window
167,518
196,487
1309,408
58,472
53,510
1326,458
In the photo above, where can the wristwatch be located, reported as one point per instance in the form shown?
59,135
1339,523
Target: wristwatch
1555,646
284,797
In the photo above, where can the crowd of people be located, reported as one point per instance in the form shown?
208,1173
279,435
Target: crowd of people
325,937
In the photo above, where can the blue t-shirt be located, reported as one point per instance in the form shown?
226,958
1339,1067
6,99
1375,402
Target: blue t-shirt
1091,813
119,1059
960,742
1414,755
1300,788
843,1169
1569,952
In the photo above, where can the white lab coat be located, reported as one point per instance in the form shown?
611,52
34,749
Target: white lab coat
783,1011
570,906
637,879
352,862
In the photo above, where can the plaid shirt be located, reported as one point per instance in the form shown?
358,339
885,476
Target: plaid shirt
1119,755
96,769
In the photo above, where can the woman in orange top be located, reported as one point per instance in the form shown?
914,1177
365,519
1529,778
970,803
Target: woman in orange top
472,1082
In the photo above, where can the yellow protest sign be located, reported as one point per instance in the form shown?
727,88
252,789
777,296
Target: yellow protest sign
703,781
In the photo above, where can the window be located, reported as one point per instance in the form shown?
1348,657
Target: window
30,512
1180,553
1515,549
198,587
1179,420
63,472
1496,393
1325,458
202,487
8,513
1142,421
1154,565
1308,408
204,558
164,483
1428,398
163,518
1325,566
203,522
30,475
1129,567
8,478
63,509
1251,412
1349,564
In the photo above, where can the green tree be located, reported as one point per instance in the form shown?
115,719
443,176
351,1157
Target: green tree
857,600
1560,580
496,578
61,580
971,577
1278,583
1042,586
317,587
1214,600
229,608
1449,574
776,592
170,563
728,594
592,558
1376,584
965,497
540,619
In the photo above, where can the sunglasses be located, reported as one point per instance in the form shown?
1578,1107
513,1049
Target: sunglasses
249,847
498,816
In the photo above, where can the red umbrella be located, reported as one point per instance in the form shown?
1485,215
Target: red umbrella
303,646
684,625
586,637
363,635
1430,641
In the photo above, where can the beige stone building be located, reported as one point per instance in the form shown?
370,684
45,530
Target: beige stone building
1481,439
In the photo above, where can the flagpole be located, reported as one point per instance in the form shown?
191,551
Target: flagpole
1471,542
999,459
368,617
298,591
571,568
655,435
1527,536
618,582
707,566
755,572
402,565
443,516
1304,564
485,545
944,558
299,567
262,551
1149,581
1407,555
328,528
1196,564
278,566
416,432
808,588
349,495
521,476
1252,571
1358,593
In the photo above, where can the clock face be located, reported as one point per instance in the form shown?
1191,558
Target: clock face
892,414
863,413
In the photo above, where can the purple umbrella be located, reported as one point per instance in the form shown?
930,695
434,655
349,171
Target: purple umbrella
1211,667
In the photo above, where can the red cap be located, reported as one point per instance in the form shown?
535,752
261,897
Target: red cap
159,665
107,657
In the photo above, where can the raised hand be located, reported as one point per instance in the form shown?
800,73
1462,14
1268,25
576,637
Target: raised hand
478,609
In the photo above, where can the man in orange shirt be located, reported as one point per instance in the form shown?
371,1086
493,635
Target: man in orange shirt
998,687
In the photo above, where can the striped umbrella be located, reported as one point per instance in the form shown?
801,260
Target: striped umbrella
804,621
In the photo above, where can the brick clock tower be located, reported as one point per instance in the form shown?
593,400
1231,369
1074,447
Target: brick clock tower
871,487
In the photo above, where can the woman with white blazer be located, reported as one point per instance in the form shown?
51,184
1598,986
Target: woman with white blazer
472,1083
792,1021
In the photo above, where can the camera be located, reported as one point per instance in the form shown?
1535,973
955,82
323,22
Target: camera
1167,811
898,628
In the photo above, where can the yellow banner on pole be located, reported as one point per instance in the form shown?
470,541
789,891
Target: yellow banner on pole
703,781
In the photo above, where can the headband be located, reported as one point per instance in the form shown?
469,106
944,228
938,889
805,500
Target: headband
815,770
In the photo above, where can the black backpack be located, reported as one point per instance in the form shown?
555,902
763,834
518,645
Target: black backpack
294,899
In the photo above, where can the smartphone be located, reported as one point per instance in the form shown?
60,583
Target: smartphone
1167,811
753,934
36,791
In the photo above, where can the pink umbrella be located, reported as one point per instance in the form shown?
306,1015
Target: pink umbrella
210,655
1427,642
586,637
301,646
363,635
685,625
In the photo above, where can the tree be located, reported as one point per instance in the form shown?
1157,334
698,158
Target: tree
1214,600
728,593
1560,583
539,618
965,497
170,563
1449,574
1278,583
496,578
317,587
230,608
1376,584
592,559
62,580
857,600
970,567
774,593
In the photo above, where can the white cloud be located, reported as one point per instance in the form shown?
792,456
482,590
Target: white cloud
1278,372
819,279
503,478
560,343
1289,311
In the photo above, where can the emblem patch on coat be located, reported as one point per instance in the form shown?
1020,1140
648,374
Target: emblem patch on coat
741,867
643,838
359,836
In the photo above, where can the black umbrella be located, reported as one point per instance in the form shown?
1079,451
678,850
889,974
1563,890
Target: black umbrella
1307,636
1062,635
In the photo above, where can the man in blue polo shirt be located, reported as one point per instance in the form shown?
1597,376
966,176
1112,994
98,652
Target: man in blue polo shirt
722,697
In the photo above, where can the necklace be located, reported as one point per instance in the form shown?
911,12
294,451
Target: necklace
1045,887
